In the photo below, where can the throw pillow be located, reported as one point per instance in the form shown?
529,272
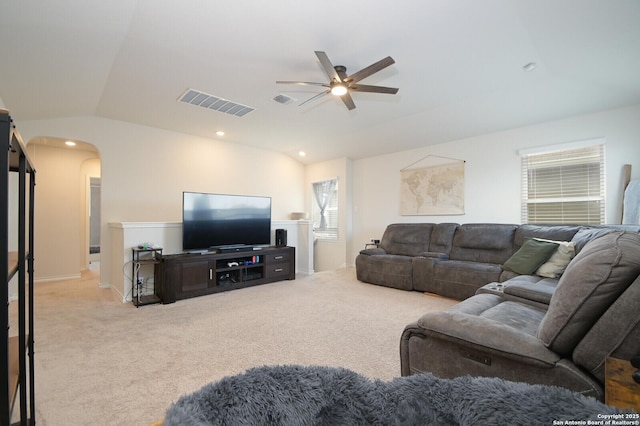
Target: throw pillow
530,256
557,263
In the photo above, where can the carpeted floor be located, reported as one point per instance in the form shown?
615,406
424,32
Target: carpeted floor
102,362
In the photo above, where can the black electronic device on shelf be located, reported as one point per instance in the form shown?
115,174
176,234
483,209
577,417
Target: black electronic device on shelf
232,248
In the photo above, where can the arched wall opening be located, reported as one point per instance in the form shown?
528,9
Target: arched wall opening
62,206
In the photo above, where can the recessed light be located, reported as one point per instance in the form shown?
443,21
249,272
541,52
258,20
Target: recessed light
70,143
302,153
530,66
220,133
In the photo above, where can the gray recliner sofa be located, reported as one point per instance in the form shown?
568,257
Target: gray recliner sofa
591,314
456,260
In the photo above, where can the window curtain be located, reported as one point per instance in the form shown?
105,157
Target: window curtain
323,191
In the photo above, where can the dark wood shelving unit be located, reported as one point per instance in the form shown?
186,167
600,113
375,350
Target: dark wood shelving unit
140,294
184,275
17,366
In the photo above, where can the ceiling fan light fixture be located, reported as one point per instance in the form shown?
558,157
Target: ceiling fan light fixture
339,90
343,85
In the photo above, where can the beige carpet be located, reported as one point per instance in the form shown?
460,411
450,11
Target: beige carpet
102,362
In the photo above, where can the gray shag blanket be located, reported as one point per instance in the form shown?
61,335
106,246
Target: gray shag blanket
297,395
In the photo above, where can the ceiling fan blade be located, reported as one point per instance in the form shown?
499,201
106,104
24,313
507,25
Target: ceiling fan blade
371,69
348,101
328,67
302,83
315,97
373,89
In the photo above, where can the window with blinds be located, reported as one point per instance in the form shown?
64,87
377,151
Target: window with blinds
564,186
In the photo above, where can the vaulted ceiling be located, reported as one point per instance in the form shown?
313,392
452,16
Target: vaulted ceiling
459,66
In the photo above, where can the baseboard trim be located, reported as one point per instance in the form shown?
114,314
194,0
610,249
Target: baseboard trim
119,294
58,278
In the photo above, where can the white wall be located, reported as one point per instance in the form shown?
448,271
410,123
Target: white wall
332,254
492,172
59,235
145,170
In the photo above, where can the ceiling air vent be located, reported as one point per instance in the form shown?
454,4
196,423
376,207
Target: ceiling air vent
216,103
283,99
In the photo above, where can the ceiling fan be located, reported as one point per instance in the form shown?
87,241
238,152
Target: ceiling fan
341,84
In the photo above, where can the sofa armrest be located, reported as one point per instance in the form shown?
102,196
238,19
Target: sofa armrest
435,255
454,344
532,288
373,251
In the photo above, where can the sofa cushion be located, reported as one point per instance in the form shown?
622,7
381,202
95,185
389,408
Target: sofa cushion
559,260
388,270
442,237
604,268
585,235
548,232
407,239
530,256
459,279
484,236
489,321
482,242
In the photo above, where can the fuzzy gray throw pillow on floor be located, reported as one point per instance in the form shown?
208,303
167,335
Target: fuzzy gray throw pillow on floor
297,395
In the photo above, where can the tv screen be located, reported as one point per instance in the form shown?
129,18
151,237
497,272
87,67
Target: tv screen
219,220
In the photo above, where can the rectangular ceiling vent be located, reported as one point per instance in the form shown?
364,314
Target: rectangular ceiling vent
216,103
283,99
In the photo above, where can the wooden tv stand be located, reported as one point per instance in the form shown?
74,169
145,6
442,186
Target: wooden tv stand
184,275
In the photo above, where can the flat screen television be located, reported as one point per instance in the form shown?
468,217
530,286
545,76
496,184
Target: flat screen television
212,221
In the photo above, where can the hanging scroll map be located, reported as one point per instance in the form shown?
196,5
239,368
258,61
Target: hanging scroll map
433,190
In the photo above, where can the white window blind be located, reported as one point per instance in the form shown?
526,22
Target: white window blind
327,193
564,186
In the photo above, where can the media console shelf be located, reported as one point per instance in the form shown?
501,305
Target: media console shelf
184,275
144,292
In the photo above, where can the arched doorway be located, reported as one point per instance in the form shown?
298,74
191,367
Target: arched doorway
62,210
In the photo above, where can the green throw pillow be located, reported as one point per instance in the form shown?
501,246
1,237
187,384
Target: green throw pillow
531,255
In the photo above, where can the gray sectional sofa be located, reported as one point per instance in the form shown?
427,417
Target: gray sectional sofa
554,330
455,260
